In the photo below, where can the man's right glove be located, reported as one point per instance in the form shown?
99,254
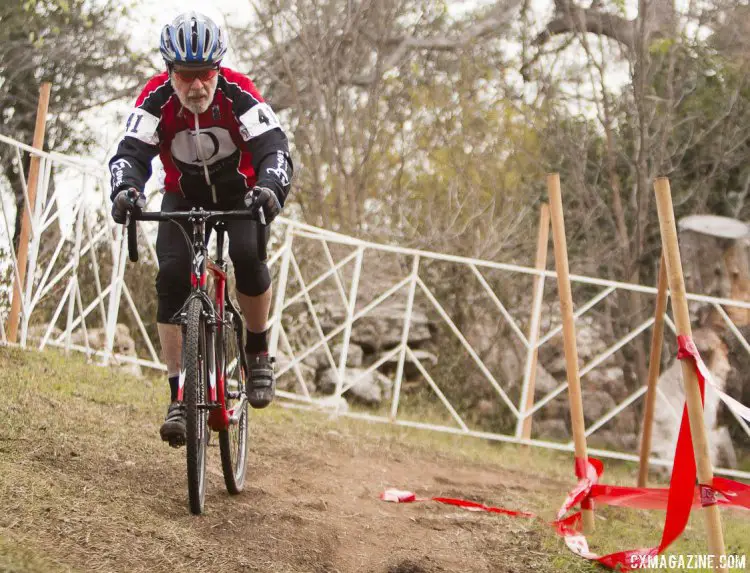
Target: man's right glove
124,202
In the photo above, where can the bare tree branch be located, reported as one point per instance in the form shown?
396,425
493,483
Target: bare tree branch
569,17
391,50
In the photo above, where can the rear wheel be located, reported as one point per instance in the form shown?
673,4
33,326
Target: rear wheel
195,362
233,440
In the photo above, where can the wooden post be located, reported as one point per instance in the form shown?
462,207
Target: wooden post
657,340
671,252
23,243
540,265
569,335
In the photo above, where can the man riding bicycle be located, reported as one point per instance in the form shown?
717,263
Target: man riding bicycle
222,148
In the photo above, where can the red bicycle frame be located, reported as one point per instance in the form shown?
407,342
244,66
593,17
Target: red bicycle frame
217,319
218,418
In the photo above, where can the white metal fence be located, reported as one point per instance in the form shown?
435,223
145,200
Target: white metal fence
334,282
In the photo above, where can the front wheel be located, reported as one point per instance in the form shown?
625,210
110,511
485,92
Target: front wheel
233,440
196,364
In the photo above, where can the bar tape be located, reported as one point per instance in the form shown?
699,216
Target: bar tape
678,500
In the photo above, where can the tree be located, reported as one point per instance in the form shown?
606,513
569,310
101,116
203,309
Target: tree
682,113
382,98
371,114
75,45
405,131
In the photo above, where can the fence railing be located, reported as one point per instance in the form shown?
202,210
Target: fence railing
326,286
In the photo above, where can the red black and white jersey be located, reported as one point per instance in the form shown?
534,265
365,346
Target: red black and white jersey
238,140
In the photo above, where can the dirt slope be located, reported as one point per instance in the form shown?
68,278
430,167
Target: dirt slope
85,485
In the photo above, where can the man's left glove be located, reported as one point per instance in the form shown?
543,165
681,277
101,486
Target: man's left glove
124,202
263,198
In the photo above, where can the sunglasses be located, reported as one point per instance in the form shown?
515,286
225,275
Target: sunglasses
191,75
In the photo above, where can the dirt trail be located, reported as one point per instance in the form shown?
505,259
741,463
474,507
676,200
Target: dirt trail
87,486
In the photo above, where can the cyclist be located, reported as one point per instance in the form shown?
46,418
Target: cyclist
222,147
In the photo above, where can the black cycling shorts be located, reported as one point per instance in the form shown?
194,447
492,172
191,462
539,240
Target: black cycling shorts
173,253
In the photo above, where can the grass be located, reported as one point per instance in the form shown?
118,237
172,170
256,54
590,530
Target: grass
80,461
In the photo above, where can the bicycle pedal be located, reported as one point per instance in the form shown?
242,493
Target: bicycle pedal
176,442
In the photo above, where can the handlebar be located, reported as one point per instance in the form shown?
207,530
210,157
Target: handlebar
195,214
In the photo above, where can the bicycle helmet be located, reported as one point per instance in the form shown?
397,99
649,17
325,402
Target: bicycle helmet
192,39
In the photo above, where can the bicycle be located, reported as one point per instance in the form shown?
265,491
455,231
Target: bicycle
213,366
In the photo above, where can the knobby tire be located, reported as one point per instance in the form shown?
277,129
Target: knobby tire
233,441
195,363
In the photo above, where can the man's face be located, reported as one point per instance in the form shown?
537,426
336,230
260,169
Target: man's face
195,86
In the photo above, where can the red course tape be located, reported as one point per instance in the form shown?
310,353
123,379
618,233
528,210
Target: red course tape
678,500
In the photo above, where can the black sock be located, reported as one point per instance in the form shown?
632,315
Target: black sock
173,384
256,342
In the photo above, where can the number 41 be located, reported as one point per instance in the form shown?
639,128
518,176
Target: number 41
138,118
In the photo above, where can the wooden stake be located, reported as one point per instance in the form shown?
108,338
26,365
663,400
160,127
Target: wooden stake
23,243
671,251
569,333
657,341
540,264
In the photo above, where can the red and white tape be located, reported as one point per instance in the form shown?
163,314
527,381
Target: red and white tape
678,500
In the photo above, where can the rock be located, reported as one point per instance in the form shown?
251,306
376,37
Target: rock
738,379
558,408
705,269
326,381
668,412
556,430
124,345
722,449
506,360
36,332
666,424
97,338
289,381
318,359
557,365
596,404
590,340
621,442
367,388
426,358
503,356
610,380
625,422
354,356
386,385
544,384
382,327
333,402
486,408
737,260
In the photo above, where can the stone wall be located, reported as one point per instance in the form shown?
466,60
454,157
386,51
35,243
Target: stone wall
97,337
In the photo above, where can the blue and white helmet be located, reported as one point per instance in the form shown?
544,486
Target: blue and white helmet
192,39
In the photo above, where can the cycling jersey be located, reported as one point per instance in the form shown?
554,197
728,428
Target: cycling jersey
235,144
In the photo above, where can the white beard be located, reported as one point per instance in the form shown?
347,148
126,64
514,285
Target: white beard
195,107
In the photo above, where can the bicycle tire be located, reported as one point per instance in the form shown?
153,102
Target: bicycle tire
233,440
195,364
